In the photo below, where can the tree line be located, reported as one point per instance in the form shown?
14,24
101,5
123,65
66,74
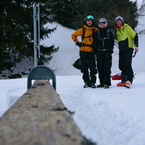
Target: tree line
16,23
72,14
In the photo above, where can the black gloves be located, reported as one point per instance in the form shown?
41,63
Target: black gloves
79,44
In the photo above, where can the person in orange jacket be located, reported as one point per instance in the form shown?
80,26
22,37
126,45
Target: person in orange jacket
86,51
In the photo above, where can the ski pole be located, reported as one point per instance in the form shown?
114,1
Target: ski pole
134,54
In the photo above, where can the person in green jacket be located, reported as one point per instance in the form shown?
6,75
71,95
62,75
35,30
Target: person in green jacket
128,43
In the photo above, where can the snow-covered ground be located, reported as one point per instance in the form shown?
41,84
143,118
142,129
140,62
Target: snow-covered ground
114,116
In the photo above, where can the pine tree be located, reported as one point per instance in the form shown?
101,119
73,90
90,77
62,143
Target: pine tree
16,29
72,13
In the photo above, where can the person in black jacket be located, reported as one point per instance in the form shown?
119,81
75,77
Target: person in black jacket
103,48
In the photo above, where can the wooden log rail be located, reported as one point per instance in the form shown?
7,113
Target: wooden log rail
40,118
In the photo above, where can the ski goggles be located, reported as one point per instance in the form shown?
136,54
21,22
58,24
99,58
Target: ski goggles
89,17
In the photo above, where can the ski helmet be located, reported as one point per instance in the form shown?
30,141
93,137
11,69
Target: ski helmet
89,17
102,20
119,18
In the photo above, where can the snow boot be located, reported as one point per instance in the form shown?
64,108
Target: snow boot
93,85
128,84
100,86
86,85
121,84
106,86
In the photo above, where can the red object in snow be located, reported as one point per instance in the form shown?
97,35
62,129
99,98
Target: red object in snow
117,77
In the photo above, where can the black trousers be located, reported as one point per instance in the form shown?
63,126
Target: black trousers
104,64
88,66
125,64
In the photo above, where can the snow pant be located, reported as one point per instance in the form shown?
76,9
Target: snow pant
125,65
88,67
104,64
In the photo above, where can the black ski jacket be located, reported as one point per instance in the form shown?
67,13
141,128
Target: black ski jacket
103,42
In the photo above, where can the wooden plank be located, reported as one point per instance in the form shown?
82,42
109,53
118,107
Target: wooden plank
39,118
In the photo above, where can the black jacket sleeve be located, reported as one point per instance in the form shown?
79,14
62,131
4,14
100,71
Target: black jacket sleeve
95,42
136,40
111,39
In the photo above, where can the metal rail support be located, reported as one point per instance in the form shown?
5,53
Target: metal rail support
36,22
41,73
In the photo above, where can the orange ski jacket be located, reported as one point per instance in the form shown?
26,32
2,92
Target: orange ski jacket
88,37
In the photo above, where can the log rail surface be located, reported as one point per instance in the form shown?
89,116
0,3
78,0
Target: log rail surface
40,118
